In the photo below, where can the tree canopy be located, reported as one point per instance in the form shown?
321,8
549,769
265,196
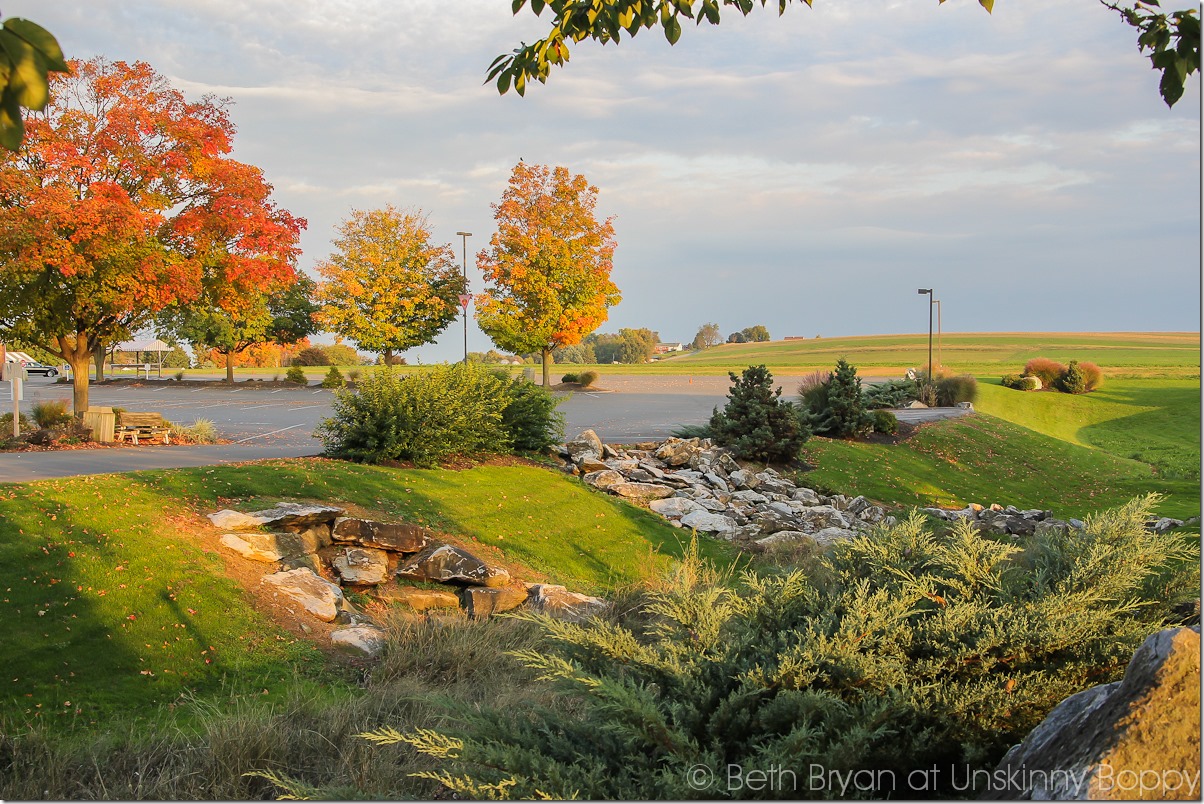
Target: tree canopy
387,286
548,265
1171,39
123,202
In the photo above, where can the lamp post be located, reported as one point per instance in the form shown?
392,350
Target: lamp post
465,297
940,361
928,292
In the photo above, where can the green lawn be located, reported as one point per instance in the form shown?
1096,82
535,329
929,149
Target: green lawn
111,605
1129,354
983,459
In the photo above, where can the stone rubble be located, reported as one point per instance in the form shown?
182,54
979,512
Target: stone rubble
317,550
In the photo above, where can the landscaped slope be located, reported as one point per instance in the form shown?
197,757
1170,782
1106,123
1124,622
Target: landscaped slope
116,598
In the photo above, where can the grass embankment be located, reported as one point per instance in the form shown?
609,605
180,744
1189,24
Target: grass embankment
116,600
984,354
1069,454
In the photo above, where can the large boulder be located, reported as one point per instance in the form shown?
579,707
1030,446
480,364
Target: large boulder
806,496
319,597
585,445
361,566
443,563
640,492
399,538
676,452
272,547
361,640
709,523
603,479
284,516
481,602
674,506
418,599
819,517
559,602
1137,738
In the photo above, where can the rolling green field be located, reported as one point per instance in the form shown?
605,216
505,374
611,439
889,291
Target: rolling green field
1119,354
113,606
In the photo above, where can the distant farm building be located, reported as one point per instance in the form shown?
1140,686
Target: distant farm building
662,348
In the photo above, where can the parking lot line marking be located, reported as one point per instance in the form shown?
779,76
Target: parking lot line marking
306,407
269,405
278,390
318,391
264,435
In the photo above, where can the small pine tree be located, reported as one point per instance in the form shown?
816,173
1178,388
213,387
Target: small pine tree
756,423
840,410
296,375
333,378
1072,381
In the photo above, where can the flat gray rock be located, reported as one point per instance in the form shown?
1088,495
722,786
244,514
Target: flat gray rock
318,596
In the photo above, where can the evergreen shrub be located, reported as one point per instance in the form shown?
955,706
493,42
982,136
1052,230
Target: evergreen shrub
587,378
333,378
838,409
569,378
423,418
296,375
885,422
894,651
890,394
530,417
1072,381
1046,370
756,424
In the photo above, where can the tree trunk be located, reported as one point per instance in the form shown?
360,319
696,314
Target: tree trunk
388,357
547,366
100,365
78,354
230,367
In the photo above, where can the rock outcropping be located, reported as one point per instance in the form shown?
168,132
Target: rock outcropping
1137,738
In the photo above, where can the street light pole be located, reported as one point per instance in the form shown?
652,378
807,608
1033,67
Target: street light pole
940,361
464,304
928,292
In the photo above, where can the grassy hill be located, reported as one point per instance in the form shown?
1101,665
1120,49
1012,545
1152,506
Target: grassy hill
116,599
1120,354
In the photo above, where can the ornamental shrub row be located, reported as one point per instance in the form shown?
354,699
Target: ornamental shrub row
1041,372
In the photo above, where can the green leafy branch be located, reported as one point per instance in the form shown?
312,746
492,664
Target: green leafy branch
1172,40
28,54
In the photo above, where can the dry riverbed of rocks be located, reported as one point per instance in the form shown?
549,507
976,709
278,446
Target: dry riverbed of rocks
317,552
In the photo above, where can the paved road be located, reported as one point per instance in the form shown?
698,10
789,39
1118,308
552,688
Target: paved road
266,422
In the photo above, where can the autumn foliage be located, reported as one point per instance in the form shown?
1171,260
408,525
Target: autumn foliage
1046,370
387,286
125,202
548,265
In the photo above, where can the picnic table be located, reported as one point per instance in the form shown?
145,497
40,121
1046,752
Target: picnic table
143,425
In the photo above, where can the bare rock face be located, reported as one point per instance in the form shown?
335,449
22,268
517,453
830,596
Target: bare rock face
363,640
361,566
481,602
559,602
443,563
419,599
1132,739
399,538
285,516
319,597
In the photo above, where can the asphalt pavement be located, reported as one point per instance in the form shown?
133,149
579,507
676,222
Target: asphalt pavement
261,420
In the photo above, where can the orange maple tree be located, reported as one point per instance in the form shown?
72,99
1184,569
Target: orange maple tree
547,267
122,203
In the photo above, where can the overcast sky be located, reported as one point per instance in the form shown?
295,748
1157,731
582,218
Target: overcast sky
807,173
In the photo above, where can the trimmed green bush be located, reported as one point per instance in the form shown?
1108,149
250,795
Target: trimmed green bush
296,375
530,416
1072,381
837,408
756,424
897,651
423,418
25,424
1046,370
587,378
333,378
955,389
885,422
51,413
569,378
